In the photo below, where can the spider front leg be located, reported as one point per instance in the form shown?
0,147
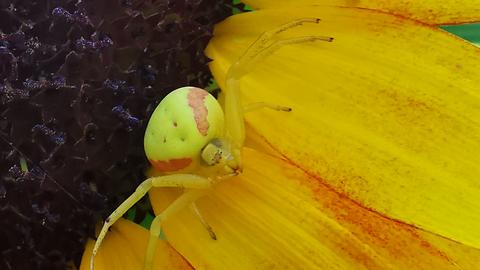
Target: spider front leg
176,180
264,46
259,50
266,37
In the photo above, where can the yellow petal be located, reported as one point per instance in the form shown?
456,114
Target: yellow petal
257,142
275,216
428,11
388,114
124,249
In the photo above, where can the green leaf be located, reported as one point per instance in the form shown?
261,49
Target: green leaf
470,32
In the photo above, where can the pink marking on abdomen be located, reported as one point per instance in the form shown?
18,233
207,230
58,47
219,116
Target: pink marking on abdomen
171,164
196,100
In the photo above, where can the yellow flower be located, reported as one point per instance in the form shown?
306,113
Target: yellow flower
376,167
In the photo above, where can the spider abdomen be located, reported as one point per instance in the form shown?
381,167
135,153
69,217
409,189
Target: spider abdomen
181,125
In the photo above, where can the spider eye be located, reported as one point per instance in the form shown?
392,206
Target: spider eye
212,152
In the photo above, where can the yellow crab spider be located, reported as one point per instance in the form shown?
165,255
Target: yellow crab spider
196,144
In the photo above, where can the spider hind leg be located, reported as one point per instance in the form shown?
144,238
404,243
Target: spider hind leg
180,203
191,181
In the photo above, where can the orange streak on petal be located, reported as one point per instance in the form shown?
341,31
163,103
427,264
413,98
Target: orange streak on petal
374,226
196,100
388,234
375,229
171,164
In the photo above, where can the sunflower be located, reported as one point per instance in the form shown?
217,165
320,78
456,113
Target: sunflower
376,167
